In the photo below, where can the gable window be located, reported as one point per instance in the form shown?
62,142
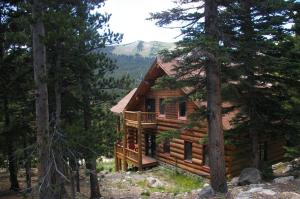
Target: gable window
263,148
182,110
162,107
188,150
166,146
205,155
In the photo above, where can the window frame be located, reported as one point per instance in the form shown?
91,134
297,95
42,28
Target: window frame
185,116
186,143
159,107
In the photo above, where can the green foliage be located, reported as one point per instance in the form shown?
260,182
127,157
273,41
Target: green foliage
167,135
177,182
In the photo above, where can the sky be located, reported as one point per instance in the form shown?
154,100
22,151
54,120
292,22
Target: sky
129,17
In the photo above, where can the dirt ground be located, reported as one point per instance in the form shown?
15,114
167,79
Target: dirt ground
112,186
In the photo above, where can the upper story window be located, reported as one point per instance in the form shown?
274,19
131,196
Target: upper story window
182,110
150,105
188,150
162,106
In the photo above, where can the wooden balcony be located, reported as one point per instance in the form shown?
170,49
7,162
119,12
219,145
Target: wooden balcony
138,119
132,157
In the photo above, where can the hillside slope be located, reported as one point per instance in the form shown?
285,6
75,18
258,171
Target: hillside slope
135,58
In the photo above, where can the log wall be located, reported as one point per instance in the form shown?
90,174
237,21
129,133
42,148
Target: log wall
234,161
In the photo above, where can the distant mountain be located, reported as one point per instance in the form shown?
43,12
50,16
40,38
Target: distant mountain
135,58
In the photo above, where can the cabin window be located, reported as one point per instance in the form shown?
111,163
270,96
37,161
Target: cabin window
182,110
263,149
162,107
188,151
205,155
166,146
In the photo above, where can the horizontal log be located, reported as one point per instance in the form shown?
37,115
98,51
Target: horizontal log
197,161
177,155
174,145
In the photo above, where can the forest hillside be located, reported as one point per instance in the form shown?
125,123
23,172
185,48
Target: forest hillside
136,56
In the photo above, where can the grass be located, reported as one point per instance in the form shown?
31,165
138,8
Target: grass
106,166
175,182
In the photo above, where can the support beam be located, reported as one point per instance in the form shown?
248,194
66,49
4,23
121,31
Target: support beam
139,141
116,158
124,144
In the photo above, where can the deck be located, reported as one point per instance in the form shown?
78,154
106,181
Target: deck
138,119
132,157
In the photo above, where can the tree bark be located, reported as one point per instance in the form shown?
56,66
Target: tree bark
12,159
77,179
91,163
42,111
94,185
59,179
27,159
214,108
12,167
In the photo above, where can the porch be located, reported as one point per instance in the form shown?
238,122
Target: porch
131,157
130,149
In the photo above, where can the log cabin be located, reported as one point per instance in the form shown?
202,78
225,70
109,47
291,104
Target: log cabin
143,115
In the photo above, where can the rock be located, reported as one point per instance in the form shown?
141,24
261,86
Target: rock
234,181
278,165
284,179
287,169
128,173
249,176
154,183
206,192
255,192
289,195
205,185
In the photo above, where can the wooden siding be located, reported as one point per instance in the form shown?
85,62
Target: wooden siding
234,162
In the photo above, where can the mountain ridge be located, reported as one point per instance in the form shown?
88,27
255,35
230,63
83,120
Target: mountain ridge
135,58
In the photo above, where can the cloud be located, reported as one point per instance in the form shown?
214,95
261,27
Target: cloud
129,17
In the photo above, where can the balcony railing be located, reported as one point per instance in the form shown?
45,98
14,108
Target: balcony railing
146,119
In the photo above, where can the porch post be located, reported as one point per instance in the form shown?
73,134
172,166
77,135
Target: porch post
139,141
116,158
124,143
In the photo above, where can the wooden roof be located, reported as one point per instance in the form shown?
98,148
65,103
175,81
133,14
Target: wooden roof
121,105
158,69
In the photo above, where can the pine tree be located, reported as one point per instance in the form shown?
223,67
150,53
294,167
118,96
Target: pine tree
253,30
200,51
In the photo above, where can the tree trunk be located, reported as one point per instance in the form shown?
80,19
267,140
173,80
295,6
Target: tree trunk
91,163
42,112
59,179
12,167
27,159
247,28
214,108
77,179
94,185
12,159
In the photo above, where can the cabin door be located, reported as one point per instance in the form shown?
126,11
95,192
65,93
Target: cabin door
150,144
150,105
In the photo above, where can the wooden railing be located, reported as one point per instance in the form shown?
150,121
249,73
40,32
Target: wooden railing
119,148
130,115
132,155
146,117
